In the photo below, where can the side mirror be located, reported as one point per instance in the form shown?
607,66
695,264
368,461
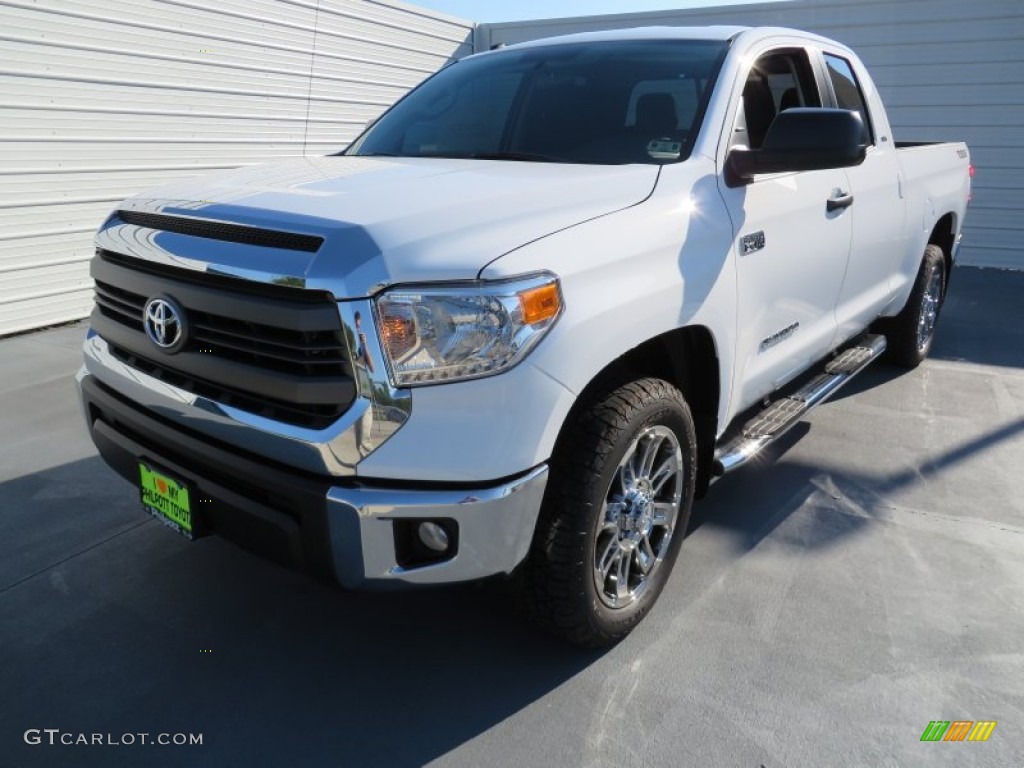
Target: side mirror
802,139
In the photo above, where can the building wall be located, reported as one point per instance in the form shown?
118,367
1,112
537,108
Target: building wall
103,98
947,70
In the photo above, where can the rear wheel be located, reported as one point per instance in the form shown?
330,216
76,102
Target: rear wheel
911,332
614,514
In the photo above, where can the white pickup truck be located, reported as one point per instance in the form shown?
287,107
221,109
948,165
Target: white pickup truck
526,318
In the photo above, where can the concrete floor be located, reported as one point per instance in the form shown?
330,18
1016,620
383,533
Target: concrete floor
863,580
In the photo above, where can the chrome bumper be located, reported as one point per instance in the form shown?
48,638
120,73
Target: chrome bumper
337,529
495,529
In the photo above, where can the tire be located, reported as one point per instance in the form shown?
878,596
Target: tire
910,333
614,514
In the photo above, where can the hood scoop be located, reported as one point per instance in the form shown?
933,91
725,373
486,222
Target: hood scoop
217,230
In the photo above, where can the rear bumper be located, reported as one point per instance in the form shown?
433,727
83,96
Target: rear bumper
354,533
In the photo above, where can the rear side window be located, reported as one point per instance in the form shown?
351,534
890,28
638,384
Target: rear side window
848,91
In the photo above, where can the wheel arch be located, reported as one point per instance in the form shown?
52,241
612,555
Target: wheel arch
685,357
943,234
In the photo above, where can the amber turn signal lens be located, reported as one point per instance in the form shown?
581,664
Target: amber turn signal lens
539,304
399,335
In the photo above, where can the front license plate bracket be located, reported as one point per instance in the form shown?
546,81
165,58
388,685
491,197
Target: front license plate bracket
168,499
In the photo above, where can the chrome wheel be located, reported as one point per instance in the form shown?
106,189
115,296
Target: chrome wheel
931,300
640,511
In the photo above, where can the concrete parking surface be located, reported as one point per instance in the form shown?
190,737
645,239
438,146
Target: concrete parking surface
864,579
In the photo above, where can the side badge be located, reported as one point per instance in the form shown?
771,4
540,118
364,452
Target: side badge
752,242
778,337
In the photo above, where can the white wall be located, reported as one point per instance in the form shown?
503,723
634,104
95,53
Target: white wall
103,98
947,69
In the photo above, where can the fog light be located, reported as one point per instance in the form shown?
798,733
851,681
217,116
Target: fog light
433,536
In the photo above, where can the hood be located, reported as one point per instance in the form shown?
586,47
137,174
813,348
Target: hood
385,220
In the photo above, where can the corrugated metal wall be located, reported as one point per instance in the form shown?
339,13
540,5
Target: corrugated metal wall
947,69
103,98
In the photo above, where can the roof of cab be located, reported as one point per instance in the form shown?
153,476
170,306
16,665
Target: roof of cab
640,33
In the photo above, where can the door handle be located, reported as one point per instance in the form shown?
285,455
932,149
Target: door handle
841,200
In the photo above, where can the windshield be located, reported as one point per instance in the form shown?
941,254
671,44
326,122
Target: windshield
605,103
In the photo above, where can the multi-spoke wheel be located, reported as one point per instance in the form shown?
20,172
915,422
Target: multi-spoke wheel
931,300
614,513
640,512
911,332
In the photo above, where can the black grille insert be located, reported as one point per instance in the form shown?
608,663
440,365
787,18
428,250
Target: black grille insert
315,416
216,230
302,353
265,352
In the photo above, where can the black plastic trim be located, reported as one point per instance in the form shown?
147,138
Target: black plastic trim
276,351
217,230
211,278
410,552
221,371
240,306
273,512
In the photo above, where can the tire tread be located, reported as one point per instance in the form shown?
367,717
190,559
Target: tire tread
901,330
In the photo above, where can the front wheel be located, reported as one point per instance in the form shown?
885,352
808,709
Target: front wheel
911,332
614,514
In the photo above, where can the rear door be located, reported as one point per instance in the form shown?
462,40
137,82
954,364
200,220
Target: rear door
791,250
879,207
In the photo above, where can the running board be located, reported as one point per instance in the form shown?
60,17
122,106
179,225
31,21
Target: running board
776,419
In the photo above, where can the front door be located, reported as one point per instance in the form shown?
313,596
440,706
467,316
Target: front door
791,250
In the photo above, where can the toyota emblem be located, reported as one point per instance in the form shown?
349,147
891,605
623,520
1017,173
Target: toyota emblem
164,322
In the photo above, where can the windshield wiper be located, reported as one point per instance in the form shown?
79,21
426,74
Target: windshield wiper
524,156
527,156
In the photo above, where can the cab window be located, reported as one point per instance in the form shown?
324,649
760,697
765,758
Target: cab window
848,91
778,81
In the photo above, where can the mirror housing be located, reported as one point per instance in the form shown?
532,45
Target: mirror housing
802,139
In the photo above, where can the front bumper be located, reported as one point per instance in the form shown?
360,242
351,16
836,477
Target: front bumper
337,529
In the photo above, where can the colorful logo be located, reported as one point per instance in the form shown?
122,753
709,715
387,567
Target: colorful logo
958,730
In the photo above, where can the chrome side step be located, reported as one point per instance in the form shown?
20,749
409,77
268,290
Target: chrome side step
776,419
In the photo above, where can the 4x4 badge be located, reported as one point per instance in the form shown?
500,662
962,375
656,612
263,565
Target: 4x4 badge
752,242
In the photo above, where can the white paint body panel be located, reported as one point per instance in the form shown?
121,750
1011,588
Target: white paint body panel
428,218
795,280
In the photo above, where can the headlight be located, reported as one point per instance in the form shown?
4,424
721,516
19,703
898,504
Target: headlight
433,334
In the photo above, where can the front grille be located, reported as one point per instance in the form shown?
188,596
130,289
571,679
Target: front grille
310,415
122,306
304,353
274,350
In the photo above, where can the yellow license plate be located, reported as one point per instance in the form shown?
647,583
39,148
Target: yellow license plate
166,498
